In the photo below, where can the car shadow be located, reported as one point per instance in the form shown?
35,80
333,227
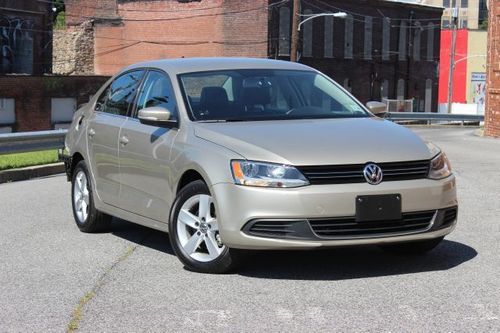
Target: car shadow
332,264
353,262
141,235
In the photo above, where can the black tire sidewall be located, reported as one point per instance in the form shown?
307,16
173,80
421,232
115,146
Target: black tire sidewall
224,263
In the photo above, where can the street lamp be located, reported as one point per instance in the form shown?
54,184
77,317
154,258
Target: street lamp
312,16
296,26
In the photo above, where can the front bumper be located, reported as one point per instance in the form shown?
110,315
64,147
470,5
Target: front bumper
240,206
64,156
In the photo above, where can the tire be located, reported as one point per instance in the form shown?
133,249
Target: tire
413,248
193,232
87,217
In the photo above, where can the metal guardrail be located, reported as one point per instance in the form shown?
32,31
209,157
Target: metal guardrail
31,141
429,117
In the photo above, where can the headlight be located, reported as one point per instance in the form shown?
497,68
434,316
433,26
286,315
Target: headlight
440,167
266,174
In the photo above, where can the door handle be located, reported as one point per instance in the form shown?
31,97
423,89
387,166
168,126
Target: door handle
124,140
91,132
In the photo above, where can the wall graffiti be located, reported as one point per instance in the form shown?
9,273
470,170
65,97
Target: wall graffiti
16,45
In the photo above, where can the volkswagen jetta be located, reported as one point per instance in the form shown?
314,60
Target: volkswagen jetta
232,154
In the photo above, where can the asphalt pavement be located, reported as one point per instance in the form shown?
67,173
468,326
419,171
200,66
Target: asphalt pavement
54,278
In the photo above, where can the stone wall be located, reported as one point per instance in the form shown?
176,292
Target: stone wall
492,113
74,50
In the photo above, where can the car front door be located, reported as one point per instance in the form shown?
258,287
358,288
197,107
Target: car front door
144,153
103,130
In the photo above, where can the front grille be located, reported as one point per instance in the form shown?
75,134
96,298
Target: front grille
450,215
348,227
353,173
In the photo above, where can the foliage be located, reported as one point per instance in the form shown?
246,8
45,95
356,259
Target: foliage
483,25
59,14
12,161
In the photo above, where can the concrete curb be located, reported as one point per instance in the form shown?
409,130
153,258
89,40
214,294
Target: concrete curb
14,175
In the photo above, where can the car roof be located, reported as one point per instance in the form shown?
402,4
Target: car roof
189,65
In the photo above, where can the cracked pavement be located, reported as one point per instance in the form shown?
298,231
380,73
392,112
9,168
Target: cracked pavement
48,267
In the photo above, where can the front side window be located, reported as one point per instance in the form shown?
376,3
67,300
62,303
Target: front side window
119,96
157,91
259,94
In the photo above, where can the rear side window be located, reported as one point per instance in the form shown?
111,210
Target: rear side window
119,96
157,91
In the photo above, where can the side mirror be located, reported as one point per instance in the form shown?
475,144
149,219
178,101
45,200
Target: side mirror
377,108
156,116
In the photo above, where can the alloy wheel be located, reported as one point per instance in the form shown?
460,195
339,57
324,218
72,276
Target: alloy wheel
81,196
198,230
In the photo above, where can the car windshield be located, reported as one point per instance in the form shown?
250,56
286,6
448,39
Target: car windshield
255,94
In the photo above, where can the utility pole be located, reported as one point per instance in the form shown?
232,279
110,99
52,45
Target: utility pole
409,54
295,30
452,55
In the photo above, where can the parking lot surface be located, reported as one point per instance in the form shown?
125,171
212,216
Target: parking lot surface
54,278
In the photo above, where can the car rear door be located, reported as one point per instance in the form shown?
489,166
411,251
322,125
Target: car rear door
144,153
103,130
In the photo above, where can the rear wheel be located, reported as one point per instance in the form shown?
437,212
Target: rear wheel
413,248
194,232
87,217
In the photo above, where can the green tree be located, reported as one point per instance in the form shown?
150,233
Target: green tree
59,14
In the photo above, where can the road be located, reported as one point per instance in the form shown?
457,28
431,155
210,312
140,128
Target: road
53,277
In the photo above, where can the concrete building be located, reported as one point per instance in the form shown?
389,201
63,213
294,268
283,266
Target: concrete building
471,13
492,114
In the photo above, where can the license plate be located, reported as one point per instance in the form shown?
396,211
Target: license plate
378,207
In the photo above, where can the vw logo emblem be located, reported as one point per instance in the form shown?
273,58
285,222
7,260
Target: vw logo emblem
373,174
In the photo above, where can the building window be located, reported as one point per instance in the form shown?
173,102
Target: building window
328,52
368,37
417,47
284,32
62,110
386,39
7,111
349,32
464,3
428,95
446,24
307,36
401,89
463,23
446,3
347,85
430,42
16,45
384,89
402,41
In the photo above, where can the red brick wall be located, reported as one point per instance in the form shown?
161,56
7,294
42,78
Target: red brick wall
33,95
79,11
492,114
172,29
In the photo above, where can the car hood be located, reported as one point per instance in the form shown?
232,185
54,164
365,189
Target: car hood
317,142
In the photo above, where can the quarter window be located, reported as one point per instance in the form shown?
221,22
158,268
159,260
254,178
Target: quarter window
157,91
119,96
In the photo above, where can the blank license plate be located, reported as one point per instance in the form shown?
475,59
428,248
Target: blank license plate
378,207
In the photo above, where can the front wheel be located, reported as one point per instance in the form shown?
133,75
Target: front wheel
194,232
413,248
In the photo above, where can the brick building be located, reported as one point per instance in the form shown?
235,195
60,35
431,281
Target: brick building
383,49
492,114
31,98
391,52
25,36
